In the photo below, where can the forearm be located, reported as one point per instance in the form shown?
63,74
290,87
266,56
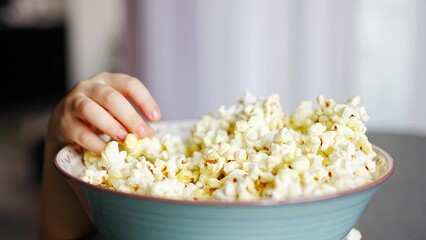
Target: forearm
62,216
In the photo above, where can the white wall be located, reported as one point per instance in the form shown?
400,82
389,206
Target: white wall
95,30
201,54
390,63
197,55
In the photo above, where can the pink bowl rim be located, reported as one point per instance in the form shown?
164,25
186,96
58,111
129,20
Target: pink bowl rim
265,202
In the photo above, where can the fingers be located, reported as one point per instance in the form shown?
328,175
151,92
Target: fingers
133,88
121,109
98,117
85,137
106,103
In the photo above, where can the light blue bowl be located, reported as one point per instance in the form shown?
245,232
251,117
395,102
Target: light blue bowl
118,215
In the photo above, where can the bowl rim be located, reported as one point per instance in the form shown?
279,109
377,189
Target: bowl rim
263,202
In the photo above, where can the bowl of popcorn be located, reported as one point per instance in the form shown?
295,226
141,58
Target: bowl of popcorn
245,171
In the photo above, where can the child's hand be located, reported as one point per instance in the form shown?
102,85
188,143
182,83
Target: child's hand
101,105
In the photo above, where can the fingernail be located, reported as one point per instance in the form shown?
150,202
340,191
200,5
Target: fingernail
142,132
155,114
122,134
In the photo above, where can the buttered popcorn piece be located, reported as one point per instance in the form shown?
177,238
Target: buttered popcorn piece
247,151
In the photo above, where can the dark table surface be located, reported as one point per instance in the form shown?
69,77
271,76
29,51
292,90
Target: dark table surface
397,211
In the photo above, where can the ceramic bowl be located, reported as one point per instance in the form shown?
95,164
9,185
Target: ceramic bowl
119,215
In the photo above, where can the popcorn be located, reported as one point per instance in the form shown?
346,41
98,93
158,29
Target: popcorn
354,234
244,152
300,164
94,176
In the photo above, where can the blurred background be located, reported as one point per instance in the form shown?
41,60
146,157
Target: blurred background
195,56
